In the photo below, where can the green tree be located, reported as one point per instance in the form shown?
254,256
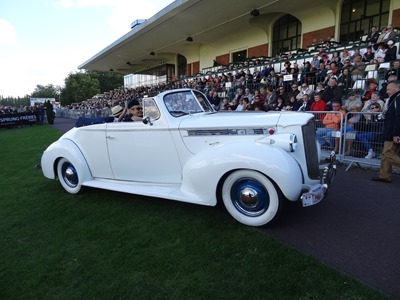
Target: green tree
108,80
78,87
47,91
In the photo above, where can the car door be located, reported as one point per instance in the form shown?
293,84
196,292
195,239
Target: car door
143,152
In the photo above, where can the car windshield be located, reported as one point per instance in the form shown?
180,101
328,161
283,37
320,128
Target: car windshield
186,102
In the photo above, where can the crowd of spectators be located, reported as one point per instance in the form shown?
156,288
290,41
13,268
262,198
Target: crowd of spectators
328,74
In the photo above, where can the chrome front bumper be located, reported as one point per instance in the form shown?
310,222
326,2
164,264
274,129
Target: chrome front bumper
318,192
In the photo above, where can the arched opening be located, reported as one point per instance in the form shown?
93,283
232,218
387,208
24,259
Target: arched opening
181,65
286,34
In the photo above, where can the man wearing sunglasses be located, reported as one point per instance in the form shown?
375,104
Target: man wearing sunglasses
135,112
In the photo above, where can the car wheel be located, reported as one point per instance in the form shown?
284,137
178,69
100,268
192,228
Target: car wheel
251,198
68,176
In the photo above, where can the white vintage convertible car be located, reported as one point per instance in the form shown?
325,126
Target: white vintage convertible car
184,150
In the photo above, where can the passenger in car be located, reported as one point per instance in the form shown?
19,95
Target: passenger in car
118,112
135,112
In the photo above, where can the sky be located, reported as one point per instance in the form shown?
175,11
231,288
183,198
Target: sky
42,41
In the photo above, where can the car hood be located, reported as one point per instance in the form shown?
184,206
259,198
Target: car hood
247,120
202,131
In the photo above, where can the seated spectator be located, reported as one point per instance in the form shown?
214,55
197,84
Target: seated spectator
224,104
395,70
344,80
214,99
271,99
305,89
391,51
336,58
280,103
294,92
369,130
390,34
379,54
332,93
373,85
320,88
305,104
292,104
356,53
346,55
374,100
381,37
318,104
357,70
368,55
352,102
331,122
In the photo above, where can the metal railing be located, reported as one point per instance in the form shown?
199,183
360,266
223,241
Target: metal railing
357,135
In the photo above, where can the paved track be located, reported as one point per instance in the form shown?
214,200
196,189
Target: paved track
355,230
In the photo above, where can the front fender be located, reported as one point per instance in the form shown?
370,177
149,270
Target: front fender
203,171
64,148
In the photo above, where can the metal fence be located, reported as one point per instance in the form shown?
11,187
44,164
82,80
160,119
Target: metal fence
358,140
88,113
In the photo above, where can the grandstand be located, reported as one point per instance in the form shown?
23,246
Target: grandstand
205,38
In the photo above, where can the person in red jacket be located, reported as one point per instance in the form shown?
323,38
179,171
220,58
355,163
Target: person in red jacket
318,104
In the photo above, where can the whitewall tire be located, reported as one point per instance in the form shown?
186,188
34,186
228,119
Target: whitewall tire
68,176
251,198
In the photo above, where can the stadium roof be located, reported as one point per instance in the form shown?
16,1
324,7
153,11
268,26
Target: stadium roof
204,21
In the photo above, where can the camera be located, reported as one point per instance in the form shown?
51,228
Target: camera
381,116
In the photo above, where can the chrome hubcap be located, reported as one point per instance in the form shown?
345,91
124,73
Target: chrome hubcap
250,197
70,175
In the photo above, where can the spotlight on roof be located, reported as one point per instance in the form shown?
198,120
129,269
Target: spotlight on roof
255,13
152,53
128,63
189,39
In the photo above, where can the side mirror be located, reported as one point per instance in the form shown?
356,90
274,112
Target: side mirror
146,120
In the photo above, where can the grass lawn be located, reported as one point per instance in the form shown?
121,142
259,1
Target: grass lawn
108,245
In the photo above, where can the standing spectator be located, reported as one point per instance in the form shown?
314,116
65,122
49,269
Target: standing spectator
391,133
372,36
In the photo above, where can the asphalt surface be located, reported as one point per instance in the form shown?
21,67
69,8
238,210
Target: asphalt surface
356,230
